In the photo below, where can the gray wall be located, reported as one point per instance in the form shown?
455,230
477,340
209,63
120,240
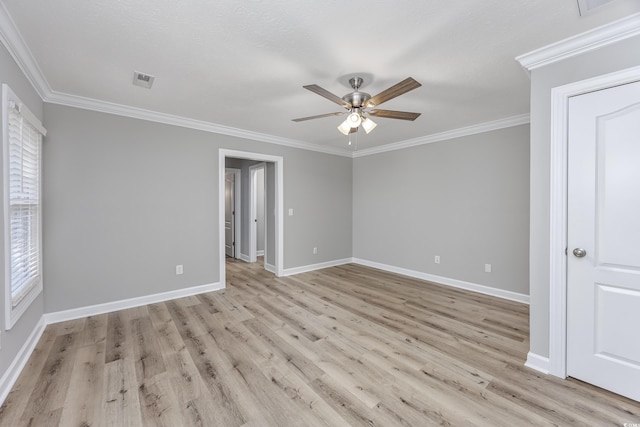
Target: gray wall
324,184
13,340
466,200
601,61
126,200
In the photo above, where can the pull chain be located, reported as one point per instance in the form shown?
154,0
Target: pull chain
356,144
356,149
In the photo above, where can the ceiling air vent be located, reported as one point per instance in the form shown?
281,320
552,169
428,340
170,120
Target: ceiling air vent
142,80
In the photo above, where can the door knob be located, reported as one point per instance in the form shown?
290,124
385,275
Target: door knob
579,252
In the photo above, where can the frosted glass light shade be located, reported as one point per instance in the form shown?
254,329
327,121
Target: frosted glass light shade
354,120
368,124
345,127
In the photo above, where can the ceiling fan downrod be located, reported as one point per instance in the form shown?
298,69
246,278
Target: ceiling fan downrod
355,82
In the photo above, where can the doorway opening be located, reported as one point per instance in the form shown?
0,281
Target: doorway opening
257,172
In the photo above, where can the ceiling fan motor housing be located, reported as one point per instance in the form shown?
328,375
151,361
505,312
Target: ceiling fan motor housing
356,99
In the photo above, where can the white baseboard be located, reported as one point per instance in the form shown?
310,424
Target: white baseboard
94,310
260,253
537,362
20,361
244,258
312,267
270,268
487,290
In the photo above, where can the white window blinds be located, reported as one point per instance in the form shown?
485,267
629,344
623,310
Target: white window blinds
24,204
23,155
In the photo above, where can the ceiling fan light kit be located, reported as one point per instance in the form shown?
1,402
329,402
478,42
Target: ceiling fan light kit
357,102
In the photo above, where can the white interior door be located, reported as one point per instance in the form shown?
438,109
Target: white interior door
229,214
603,263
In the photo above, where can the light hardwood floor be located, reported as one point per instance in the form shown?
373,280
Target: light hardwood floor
342,346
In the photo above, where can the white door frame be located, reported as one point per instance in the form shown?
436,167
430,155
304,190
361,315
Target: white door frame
558,207
279,199
253,198
237,218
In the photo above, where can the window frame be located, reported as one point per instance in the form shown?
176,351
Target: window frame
13,313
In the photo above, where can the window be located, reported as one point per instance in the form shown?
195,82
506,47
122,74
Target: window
22,145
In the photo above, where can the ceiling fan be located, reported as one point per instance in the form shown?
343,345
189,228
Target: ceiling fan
357,104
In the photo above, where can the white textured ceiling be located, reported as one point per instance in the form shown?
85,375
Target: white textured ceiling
242,64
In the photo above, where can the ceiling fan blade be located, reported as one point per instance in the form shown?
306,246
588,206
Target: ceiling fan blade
325,93
390,114
396,90
302,119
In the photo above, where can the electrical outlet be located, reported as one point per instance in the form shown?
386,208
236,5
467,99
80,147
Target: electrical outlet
179,270
436,259
290,211
487,268
315,251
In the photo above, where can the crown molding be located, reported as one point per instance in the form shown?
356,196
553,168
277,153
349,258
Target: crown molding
443,136
170,119
17,47
590,40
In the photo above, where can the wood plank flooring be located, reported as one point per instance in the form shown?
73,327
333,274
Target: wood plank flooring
344,346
